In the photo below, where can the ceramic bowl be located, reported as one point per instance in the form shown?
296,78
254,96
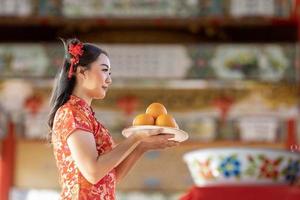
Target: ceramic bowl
237,166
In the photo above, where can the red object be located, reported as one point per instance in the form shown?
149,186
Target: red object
291,141
128,104
33,104
75,50
244,193
72,116
7,159
269,168
223,104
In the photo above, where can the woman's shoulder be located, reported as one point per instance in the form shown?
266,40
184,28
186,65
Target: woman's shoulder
68,118
68,110
64,109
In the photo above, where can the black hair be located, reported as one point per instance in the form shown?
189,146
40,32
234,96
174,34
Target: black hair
64,86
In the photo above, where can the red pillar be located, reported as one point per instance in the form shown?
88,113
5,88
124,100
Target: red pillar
291,137
7,158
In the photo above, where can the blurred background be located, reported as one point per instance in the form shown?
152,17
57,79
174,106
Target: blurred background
228,70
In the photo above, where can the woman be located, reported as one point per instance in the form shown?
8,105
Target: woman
89,164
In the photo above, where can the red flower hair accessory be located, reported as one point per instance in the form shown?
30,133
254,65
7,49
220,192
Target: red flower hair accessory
75,50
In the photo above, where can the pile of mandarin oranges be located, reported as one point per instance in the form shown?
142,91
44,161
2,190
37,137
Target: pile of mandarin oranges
156,114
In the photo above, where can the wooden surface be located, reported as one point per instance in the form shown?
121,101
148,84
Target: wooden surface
35,166
147,22
153,30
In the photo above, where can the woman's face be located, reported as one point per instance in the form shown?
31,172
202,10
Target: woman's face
97,78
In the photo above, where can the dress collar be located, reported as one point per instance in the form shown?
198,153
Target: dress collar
77,101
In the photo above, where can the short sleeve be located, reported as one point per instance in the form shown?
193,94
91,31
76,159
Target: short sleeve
68,120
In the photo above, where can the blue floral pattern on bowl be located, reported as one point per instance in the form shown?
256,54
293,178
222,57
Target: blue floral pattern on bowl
230,166
292,171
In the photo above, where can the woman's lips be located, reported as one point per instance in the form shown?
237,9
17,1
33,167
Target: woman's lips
104,88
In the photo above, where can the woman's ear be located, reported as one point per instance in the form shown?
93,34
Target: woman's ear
80,72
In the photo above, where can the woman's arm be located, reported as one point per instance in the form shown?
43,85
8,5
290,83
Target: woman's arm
150,143
123,168
93,167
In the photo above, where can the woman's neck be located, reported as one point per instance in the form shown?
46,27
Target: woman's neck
83,96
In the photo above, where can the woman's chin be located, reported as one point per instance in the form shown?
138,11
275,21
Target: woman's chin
99,96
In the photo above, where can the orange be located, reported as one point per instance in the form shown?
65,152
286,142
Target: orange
166,120
143,119
156,109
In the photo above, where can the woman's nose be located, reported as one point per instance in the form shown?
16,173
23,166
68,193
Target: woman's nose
108,80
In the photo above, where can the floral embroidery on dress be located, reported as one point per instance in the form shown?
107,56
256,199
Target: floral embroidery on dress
73,115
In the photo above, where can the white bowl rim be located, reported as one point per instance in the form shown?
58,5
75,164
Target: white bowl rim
193,153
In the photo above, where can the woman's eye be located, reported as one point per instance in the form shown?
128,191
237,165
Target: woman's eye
106,70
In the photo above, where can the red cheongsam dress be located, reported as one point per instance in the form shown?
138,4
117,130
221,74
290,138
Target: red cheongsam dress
77,114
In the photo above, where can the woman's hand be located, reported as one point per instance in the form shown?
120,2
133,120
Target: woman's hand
154,140
157,142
